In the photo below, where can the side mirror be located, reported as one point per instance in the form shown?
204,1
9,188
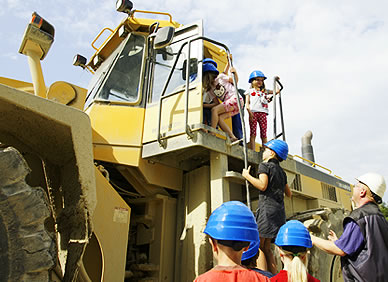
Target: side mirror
193,69
164,37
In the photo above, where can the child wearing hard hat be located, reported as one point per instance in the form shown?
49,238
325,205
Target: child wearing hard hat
272,184
249,258
220,87
256,100
293,241
231,228
208,100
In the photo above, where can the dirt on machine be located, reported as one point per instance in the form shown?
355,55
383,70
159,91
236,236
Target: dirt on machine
116,182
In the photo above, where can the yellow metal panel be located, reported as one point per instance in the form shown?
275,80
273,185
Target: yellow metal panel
173,114
299,204
345,198
116,124
61,92
216,53
155,174
328,204
162,249
147,22
68,94
111,227
18,84
116,154
311,187
195,251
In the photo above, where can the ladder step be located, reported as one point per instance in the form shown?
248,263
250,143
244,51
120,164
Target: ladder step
235,142
235,177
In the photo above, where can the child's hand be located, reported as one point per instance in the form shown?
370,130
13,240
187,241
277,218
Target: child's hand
245,172
232,70
251,117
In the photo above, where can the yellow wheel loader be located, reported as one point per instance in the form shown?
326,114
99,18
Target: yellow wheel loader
116,182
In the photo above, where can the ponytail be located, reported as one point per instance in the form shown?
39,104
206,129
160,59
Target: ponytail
297,268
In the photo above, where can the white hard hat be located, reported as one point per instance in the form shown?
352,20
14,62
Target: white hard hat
375,183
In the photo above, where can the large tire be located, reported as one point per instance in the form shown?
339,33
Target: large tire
27,249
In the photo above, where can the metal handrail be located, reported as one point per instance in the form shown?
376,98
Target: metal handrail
283,133
155,13
313,163
98,36
162,97
187,127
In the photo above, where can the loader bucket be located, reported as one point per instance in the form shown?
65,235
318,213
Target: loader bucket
61,137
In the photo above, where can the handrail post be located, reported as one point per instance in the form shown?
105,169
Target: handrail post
283,133
188,131
187,128
161,143
274,108
240,109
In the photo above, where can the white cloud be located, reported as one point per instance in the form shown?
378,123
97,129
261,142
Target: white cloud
11,56
330,56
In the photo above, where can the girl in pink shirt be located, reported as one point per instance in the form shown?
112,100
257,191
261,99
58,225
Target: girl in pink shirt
220,87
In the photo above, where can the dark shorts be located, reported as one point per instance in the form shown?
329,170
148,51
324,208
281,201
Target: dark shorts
270,216
207,116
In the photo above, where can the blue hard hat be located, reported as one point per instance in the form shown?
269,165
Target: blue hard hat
293,233
255,74
232,221
209,67
279,147
208,60
252,251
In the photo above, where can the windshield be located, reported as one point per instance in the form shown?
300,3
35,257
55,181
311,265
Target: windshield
119,81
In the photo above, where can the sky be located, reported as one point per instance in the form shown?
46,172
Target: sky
331,57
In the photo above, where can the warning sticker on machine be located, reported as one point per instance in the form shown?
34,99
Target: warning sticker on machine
120,215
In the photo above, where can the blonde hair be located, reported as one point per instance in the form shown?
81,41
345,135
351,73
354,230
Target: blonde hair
208,79
297,269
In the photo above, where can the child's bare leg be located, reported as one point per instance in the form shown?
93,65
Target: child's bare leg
225,127
252,142
216,111
264,140
265,247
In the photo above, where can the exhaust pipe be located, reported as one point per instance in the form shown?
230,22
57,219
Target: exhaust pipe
307,148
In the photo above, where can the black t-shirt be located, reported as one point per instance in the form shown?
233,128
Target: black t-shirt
277,179
270,214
